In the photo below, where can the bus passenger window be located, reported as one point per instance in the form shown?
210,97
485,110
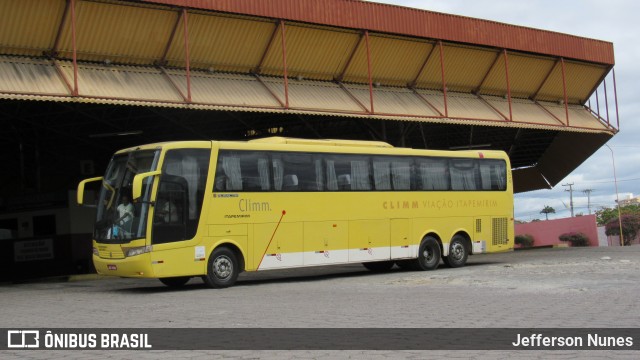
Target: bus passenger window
493,174
344,182
290,183
401,175
463,174
381,174
433,174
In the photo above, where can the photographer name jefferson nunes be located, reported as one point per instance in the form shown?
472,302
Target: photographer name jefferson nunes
439,204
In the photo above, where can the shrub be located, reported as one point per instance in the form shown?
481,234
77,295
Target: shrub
630,227
524,240
576,239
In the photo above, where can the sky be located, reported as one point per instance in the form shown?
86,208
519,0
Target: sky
615,21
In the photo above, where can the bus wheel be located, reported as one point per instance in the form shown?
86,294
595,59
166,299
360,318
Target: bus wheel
378,266
458,252
428,255
222,269
175,282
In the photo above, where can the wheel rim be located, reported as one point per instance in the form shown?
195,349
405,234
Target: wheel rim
428,254
457,251
222,267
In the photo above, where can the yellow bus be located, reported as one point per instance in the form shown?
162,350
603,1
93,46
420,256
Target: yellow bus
213,209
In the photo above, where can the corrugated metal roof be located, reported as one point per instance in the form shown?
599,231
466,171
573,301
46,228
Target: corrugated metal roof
29,27
578,116
120,33
580,79
393,61
38,79
122,82
465,67
392,101
311,52
314,95
224,43
524,111
466,106
526,73
139,33
30,77
224,89
414,22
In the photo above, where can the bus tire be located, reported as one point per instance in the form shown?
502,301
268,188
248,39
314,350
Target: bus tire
428,255
378,266
175,282
222,268
458,252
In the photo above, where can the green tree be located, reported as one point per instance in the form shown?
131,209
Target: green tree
547,210
605,214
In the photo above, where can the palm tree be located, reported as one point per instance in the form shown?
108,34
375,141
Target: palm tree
547,210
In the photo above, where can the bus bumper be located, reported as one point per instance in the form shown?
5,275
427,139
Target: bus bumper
138,266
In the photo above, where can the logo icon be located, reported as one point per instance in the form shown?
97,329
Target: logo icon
23,339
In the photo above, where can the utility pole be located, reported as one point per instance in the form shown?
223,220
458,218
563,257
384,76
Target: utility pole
588,192
570,196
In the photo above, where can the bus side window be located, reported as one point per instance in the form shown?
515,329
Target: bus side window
290,183
493,175
433,174
463,174
344,182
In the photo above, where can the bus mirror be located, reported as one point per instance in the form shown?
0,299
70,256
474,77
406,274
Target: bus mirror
80,194
137,183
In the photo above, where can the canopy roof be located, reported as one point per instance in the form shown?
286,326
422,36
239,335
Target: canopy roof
339,58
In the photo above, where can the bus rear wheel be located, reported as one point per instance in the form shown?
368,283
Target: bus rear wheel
428,255
222,268
378,266
175,282
458,252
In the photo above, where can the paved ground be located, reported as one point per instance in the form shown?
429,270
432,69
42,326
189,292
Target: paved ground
571,287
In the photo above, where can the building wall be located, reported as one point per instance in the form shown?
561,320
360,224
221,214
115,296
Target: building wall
547,232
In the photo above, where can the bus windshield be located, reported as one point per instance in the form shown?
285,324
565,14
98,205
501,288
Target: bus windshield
119,220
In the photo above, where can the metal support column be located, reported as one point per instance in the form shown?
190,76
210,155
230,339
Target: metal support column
606,100
444,83
615,95
506,69
186,53
74,47
564,90
284,64
366,38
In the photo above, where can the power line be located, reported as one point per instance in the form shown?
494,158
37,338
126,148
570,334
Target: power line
608,181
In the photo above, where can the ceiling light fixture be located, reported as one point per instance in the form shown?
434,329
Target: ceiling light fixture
121,133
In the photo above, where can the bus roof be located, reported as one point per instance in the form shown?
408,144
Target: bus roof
326,142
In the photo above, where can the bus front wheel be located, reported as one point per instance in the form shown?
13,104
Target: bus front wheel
222,268
428,255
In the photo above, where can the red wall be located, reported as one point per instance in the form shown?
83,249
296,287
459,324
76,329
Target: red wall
547,232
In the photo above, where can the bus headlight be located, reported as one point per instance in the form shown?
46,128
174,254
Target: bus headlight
128,252
95,251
